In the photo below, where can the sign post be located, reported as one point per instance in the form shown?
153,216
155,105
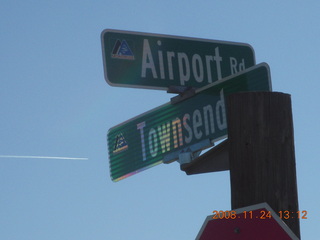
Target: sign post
154,61
161,134
261,153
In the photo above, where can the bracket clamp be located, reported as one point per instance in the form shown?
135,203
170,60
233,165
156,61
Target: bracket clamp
184,93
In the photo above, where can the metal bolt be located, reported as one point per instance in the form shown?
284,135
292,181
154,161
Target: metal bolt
237,230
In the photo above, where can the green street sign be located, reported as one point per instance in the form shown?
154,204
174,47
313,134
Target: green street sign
166,131
143,60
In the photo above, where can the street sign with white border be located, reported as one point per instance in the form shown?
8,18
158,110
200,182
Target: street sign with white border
166,131
157,61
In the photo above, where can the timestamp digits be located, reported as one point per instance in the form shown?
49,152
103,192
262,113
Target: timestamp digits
298,214
262,214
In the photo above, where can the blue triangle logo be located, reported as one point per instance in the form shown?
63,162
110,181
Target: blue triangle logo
120,144
122,50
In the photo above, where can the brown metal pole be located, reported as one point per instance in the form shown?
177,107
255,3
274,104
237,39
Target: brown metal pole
261,153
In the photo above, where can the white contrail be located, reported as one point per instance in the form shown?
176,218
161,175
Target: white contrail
43,157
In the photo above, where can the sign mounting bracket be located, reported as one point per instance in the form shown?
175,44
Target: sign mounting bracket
188,154
183,91
188,157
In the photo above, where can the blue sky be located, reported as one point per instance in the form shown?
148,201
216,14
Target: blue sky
54,101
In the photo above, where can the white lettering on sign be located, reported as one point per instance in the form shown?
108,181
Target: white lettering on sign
147,60
164,136
178,132
221,113
153,142
184,68
218,59
140,127
197,67
163,64
235,67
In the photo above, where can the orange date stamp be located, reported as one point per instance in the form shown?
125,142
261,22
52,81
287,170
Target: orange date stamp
262,214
